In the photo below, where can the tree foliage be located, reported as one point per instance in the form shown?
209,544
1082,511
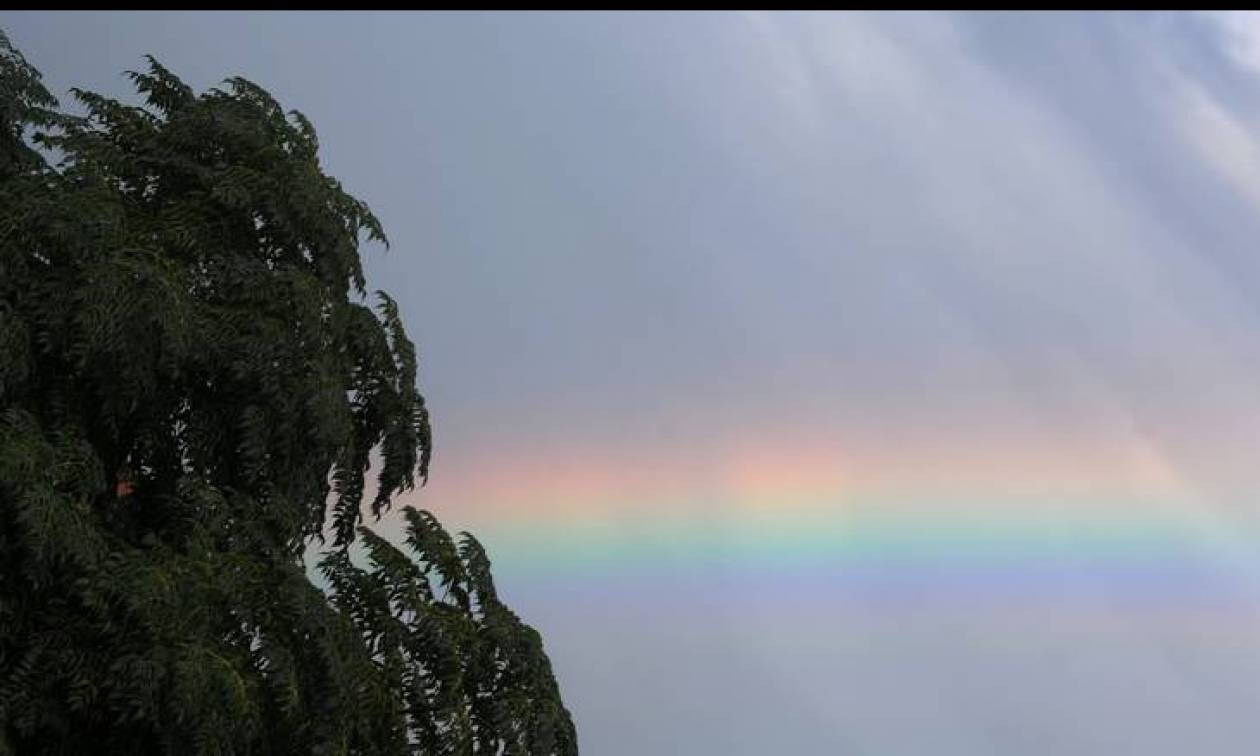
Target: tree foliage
193,385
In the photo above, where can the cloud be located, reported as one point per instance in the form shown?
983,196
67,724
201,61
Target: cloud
1240,36
1223,139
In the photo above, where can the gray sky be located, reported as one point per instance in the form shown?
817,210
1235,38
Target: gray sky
681,263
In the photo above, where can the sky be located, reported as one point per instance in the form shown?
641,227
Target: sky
849,383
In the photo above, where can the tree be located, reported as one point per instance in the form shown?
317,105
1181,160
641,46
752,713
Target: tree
192,388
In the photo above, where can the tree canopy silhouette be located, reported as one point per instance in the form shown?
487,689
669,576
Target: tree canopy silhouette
194,384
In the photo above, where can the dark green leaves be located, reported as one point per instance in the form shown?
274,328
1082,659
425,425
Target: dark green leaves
471,678
190,378
24,103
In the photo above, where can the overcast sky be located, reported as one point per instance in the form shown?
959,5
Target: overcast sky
900,291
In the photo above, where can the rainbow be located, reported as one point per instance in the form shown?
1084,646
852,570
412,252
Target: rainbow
1008,520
